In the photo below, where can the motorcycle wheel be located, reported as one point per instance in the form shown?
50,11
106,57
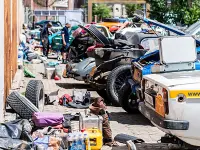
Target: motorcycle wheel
127,99
115,81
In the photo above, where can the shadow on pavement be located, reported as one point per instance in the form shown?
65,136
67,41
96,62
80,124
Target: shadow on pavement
74,85
120,148
130,119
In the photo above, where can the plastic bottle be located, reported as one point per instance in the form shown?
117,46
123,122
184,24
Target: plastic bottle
87,141
70,140
81,143
74,143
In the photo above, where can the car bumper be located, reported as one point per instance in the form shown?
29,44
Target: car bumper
162,122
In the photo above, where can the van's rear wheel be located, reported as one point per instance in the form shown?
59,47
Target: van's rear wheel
127,99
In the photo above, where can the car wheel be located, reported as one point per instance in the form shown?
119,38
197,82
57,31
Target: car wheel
21,105
127,99
115,81
35,93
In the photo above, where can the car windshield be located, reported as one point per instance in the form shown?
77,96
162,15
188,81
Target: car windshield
56,24
150,44
103,31
193,27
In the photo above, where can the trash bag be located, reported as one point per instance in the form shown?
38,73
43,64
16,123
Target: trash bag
16,134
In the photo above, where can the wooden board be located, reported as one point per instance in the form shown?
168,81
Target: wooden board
7,47
14,38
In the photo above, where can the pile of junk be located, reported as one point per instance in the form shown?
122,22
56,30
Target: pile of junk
102,61
35,129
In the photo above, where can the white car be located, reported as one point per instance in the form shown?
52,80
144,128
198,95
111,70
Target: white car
172,92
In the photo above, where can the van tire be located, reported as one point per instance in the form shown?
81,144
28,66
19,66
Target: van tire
125,95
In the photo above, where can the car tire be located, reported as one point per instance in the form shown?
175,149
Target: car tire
21,105
35,93
117,78
127,100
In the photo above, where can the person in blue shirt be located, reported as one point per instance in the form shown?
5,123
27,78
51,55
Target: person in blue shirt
65,38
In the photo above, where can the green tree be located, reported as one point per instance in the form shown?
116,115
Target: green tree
102,11
131,8
159,10
192,15
178,9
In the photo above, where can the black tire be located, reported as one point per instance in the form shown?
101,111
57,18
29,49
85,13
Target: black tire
123,138
127,99
22,106
35,93
115,81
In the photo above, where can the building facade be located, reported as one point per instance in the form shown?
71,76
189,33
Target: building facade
118,10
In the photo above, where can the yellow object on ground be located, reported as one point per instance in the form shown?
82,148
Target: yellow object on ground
96,138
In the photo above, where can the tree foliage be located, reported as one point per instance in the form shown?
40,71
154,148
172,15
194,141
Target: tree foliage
102,11
193,13
180,11
131,8
159,10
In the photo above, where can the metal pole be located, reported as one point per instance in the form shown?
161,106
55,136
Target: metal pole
47,3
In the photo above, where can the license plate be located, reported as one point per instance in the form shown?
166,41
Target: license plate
93,71
149,99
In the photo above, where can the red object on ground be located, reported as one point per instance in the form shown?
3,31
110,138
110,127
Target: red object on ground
56,78
83,130
67,97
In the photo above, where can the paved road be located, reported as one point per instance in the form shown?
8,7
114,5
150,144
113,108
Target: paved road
121,122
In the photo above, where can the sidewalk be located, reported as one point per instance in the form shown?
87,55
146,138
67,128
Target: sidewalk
121,122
